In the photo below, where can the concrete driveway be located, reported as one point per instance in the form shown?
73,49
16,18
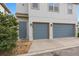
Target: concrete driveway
43,46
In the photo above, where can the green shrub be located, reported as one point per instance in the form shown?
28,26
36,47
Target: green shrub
8,32
78,34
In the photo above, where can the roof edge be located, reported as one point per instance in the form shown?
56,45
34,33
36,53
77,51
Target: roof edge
4,6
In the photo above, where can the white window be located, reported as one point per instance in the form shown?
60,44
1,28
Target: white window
35,6
50,6
54,7
22,4
70,8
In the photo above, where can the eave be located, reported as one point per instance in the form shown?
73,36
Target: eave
22,15
4,6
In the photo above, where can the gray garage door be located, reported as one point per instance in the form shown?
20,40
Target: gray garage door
22,30
40,31
63,30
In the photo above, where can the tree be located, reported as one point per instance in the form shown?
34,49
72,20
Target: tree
8,32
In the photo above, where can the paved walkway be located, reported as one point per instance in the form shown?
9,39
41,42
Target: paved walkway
64,52
43,46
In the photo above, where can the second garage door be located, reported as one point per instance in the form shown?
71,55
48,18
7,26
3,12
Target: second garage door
40,31
63,30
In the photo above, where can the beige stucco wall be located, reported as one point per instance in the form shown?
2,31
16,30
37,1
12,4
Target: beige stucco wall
22,9
43,15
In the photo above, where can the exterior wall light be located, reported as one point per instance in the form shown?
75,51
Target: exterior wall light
77,25
30,24
51,24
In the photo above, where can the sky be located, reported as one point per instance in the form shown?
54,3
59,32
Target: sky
12,8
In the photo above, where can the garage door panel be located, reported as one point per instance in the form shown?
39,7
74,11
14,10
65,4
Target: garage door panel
40,31
63,30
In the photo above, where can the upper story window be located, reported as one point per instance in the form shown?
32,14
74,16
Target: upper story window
54,7
22,4
35,6
70,8
50,6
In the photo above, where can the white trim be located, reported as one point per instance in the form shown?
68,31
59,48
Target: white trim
51,31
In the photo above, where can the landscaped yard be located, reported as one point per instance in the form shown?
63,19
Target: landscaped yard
22,47
9,43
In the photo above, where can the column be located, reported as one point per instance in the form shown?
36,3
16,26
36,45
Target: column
51,31
30,31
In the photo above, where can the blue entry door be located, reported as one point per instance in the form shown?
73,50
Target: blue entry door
22,30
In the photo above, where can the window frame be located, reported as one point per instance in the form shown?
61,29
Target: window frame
35,8
50,6
69,8
54,6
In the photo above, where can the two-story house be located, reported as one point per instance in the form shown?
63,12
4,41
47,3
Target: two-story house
38,21
4,9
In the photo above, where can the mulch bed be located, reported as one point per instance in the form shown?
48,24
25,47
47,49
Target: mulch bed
22,47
